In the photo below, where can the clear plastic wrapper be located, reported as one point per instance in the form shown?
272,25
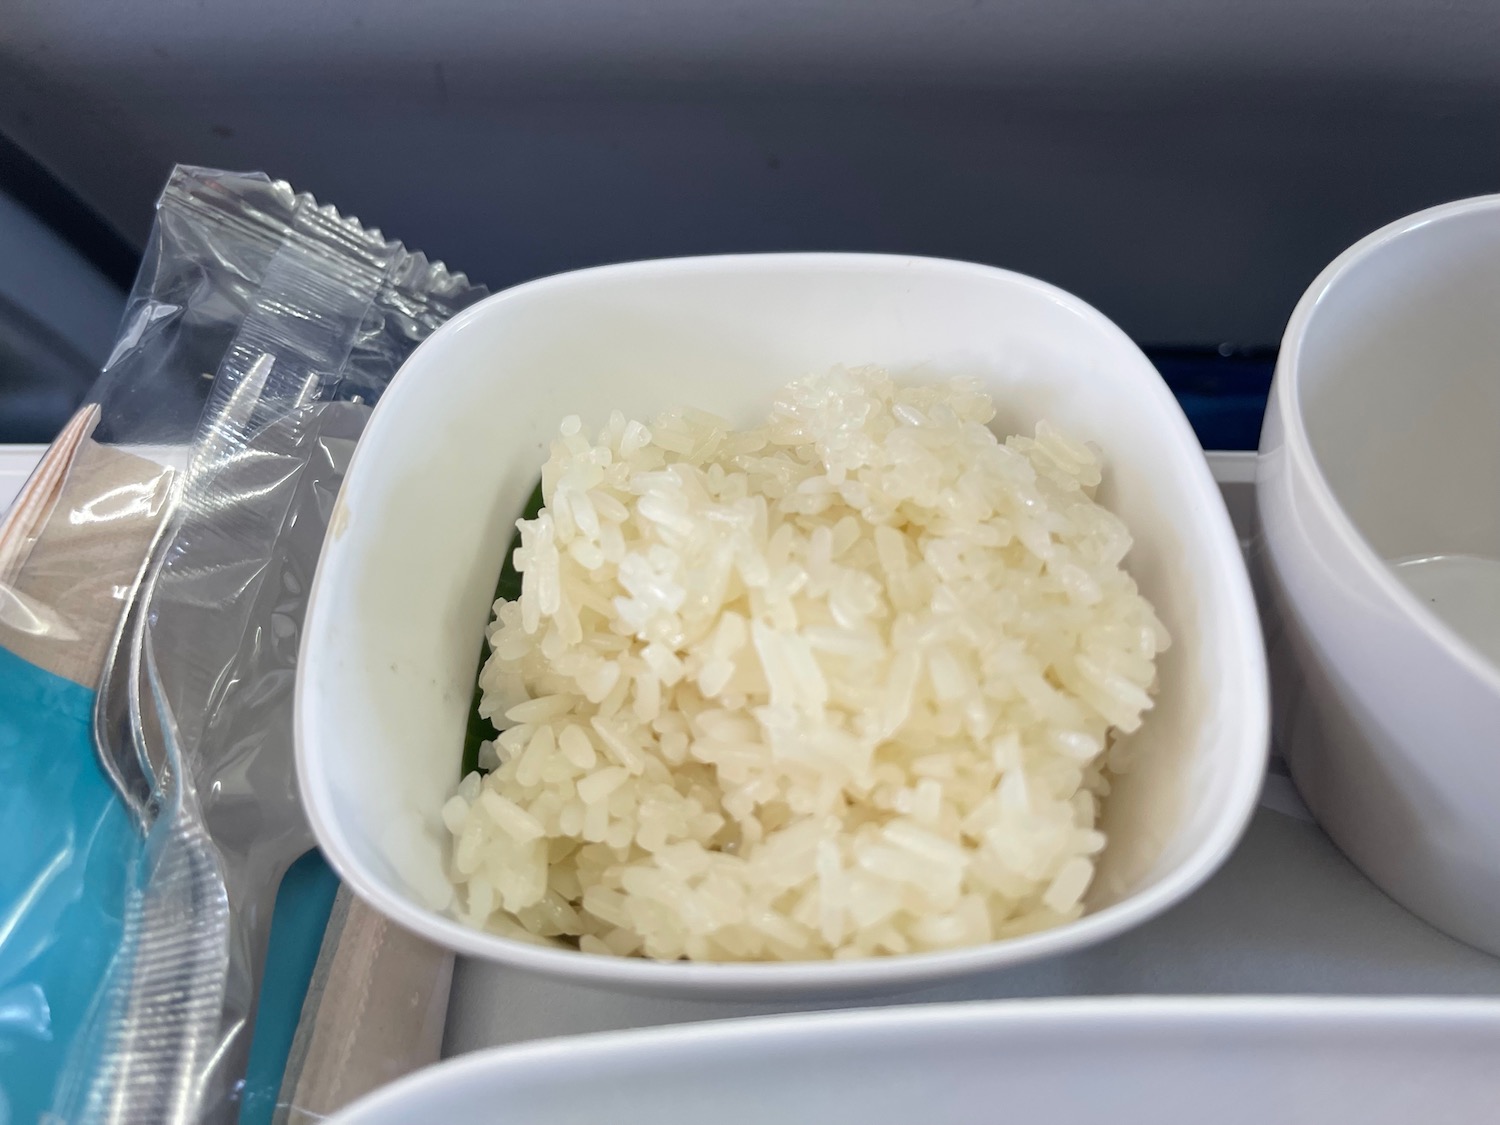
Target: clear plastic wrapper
163,556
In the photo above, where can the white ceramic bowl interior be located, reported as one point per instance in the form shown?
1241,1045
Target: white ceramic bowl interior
1379,495
402,593
1136,1061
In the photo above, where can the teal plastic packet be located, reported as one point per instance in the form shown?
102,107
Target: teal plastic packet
135,910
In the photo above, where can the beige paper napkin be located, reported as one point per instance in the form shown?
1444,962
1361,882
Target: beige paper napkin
375,1010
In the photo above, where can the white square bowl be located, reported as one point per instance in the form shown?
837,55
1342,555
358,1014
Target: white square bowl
402,593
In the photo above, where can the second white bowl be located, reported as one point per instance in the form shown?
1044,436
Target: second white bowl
402,593
1379,492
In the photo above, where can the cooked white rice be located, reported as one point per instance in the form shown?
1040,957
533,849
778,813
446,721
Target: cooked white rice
839,686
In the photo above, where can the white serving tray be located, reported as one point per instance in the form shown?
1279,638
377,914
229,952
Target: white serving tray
16,463
1287,914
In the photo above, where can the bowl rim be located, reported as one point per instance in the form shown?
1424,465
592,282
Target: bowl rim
1287,395
1243,643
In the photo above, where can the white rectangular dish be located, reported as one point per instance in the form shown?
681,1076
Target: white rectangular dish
1135,1061
1286,914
